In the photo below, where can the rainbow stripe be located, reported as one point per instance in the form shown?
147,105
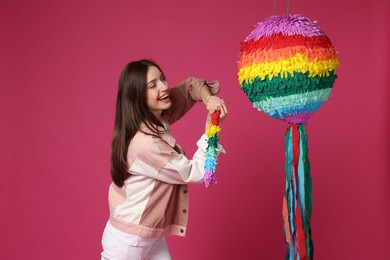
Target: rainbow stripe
212,150
287,67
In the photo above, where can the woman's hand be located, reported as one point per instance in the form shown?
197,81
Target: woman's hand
214,103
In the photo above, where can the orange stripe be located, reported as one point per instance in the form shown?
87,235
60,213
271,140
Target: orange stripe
285,221
261,56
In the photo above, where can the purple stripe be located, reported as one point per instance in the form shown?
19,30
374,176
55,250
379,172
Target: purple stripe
297,118
294,25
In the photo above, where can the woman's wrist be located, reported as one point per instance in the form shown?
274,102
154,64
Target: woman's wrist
208,100
205,94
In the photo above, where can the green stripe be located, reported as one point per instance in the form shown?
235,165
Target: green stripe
260,90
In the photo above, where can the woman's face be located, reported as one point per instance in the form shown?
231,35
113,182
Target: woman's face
157,92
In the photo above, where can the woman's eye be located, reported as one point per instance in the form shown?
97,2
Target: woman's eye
163,78
152,86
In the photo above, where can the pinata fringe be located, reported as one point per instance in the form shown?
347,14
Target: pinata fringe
297,202
212,150
286,67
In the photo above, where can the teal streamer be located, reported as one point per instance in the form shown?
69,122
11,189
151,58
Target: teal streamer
288,171
301,178
298,194
308,192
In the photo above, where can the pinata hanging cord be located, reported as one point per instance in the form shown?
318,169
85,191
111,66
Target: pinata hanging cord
212,149
287,10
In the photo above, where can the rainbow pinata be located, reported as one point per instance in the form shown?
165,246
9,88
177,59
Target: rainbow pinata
287,67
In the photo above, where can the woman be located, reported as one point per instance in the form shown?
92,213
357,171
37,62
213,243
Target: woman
148,198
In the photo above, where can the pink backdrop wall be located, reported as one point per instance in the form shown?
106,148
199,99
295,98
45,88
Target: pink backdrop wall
60,62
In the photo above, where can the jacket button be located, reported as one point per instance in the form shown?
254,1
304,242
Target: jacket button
185,191
184,211
181,230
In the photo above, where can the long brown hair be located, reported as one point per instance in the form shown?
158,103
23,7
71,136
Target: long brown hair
131,111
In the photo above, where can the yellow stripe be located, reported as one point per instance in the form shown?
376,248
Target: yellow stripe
213,130
286,67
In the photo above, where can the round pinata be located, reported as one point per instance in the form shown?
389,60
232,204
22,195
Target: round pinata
287,67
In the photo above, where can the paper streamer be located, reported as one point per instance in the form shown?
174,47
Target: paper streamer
287,68
297,202
212,150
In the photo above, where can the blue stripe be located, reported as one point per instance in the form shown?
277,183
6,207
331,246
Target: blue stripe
294,110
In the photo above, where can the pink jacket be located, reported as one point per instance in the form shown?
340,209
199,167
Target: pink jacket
154,200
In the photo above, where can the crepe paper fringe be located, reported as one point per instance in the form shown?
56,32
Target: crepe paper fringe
297,202
278,42
299,114
279,103
212,150
298,83
293,24
287,68
258,56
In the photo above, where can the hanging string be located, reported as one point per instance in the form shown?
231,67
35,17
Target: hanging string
287,10
273,17
274,7
300,6
288,6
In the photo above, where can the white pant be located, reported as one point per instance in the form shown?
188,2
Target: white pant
118,245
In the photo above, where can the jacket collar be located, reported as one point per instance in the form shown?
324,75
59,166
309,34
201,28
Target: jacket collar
165,133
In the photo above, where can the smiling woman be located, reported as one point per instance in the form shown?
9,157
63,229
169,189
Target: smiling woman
148,197
157,92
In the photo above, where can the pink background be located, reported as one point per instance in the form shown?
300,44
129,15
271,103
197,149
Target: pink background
60,62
